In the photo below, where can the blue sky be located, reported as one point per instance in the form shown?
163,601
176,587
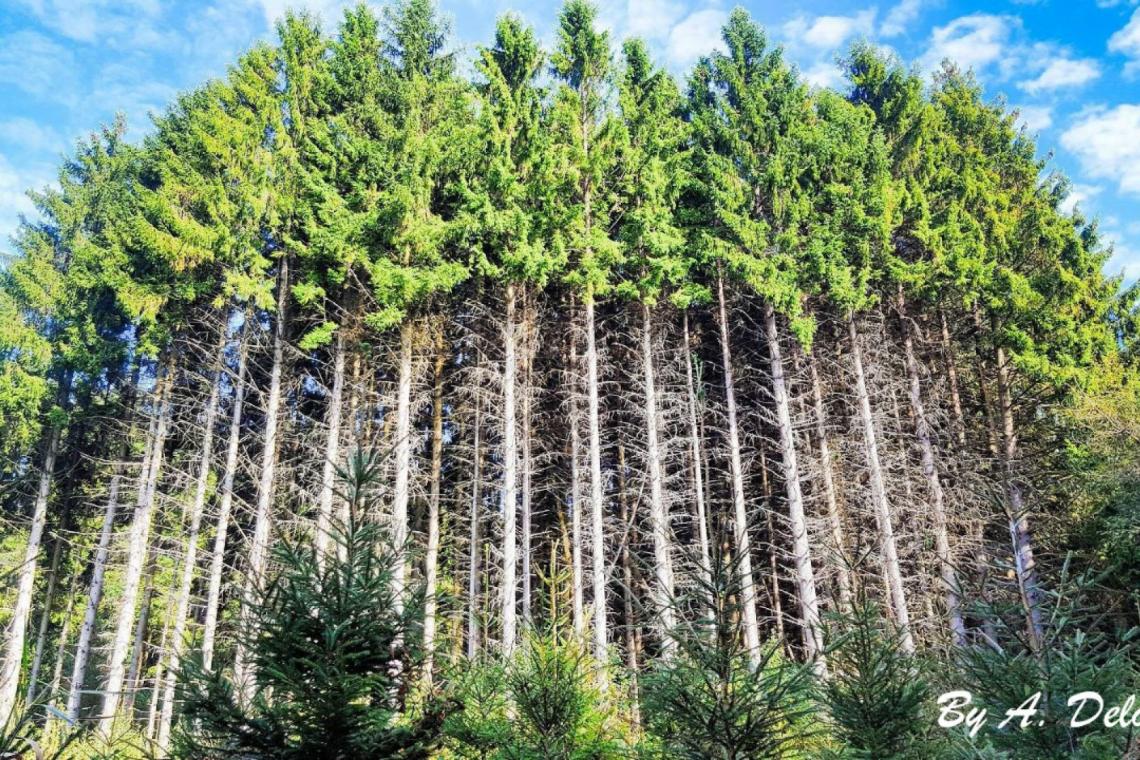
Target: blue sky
1071,66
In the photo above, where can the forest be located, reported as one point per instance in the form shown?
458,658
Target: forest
382,402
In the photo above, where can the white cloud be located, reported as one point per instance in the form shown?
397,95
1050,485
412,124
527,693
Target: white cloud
329,11
823,74
829,32
123,87
129,24
696,35
33,63
1126,41
1063,72
1114,3
1078,194
1107,143
653,19
31,136
973,42
900,17
1035,118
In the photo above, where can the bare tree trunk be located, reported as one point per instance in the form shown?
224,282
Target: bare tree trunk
431,558
99,564
139,642
64,638
773,560
45,618
578,582
527,465
596,498
266,485
156,690
952,375
628,520
695,449
177,641
743,543
658,515
983,389
510,468
934,483
1020,536
891,569
838,537
225,508
475,539
22,610
801,549
332,448
138,549
403,462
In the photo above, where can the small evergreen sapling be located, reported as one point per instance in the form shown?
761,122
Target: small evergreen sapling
333,656
717,700
876,694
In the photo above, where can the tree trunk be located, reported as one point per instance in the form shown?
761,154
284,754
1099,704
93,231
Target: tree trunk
891,569
332,449
99,564
983,389
628,519
139,642
695,449
934,483
177,643
431,558
773,560
952,375
577,571
801,549
22,610
225,508
62,641
266,485
475,540
838,537
156,689
403,462
1020,537
45,618
596,502
138,549
740,511
527,466
510,491
658,514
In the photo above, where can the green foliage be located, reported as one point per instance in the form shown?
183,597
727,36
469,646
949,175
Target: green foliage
416,259
20,734
876,695
653,159
717,700
751,116
23,380
502,215
1102,457
586,137
543,702
1084,649
330,668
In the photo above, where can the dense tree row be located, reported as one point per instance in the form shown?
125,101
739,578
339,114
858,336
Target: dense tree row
605,339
